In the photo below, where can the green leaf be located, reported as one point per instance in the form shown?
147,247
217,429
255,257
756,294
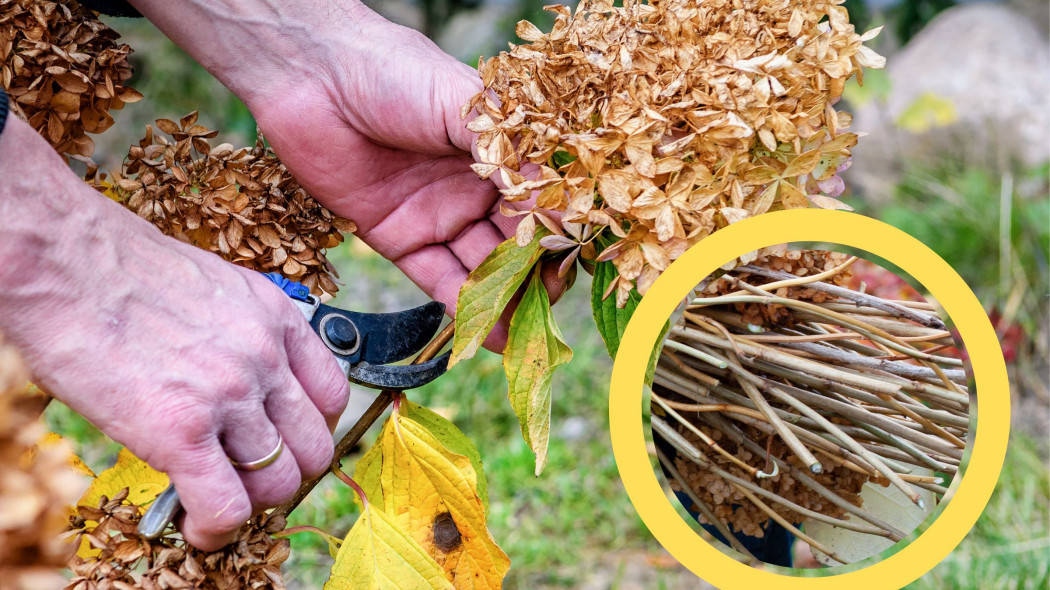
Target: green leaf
488,290
561,157
534,350
377,555
453,438
654,356
611,320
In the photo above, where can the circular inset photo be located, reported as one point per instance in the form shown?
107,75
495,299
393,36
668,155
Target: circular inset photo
810,409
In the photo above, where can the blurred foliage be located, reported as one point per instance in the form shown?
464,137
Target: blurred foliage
961,220
178,84
910,16
859,14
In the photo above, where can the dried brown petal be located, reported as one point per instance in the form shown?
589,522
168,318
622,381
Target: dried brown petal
38,484
648,119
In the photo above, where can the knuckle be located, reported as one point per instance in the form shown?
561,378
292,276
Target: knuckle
182,423
334,392
316,459
262,345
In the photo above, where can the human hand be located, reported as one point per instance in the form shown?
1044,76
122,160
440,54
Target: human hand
366,115
171,351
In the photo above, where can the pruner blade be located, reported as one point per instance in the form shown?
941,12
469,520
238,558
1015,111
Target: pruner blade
377,338
364,343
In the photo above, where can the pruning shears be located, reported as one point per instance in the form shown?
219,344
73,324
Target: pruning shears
363,344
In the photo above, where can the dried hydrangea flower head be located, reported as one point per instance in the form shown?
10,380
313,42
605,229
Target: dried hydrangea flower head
663,122
64,71
38,484
241,204
798,262
125,560
731,506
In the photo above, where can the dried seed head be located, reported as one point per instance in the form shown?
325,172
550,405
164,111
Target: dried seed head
241,204
126,560
735,509
797,262
64,71
663,122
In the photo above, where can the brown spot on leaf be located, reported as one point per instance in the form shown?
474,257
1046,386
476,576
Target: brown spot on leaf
446,535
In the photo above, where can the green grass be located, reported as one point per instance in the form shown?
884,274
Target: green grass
1002,257
1009,548
97,450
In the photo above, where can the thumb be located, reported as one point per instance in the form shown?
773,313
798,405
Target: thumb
460,83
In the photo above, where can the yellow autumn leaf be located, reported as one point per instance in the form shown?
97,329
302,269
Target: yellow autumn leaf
368,470
377,555
452,438
52,439
143,482
432,491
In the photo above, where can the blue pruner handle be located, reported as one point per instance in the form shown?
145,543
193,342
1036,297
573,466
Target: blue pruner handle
297,291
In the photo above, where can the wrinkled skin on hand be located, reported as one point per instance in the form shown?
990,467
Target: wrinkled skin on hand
378,138
171,351
366,115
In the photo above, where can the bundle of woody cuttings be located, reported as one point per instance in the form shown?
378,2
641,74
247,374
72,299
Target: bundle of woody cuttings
786,392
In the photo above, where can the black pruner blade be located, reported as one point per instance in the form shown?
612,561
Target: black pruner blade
398,377
377,338
365,343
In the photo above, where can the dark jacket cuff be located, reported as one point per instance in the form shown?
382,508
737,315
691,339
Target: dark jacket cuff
4,106
111,7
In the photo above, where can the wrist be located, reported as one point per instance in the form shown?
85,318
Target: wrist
40,204
60,243
259,49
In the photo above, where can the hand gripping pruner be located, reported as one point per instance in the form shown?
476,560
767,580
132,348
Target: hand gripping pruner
363,344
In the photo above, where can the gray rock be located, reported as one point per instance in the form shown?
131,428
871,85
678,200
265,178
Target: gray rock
985,65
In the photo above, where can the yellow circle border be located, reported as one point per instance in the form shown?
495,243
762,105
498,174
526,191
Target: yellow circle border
626,396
